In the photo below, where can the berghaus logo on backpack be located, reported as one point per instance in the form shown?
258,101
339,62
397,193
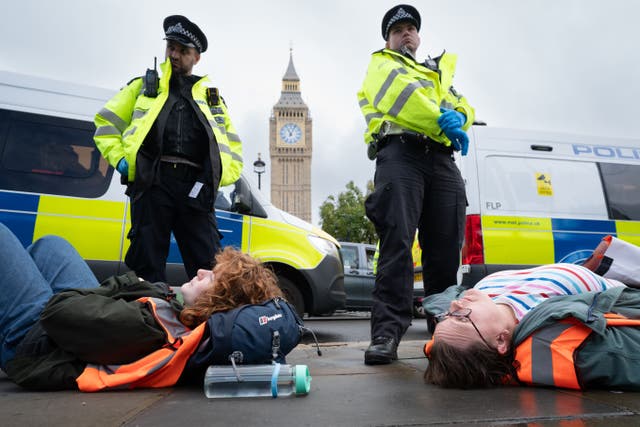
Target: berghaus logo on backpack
251,331
263,320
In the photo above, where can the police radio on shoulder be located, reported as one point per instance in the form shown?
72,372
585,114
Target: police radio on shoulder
151,80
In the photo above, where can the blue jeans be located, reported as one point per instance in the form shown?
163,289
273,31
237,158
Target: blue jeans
29,278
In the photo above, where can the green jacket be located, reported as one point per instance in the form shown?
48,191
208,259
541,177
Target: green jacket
407,93
610,356
104,325
126,119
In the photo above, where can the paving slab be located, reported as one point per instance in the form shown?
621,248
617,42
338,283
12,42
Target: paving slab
71,408
344,392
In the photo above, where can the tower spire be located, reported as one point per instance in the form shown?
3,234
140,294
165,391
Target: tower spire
290,74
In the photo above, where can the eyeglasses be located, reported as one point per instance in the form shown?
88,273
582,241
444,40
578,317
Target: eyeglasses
462,315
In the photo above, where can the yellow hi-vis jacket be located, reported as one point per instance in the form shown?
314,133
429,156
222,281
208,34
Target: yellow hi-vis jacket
400,90
161,368
125,121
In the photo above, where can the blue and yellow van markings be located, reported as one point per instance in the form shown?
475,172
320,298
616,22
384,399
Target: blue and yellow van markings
33,216
93,227
19,214
98,229
528,235
575,239
629,231
536,241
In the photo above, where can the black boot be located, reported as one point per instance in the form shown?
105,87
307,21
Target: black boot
381,351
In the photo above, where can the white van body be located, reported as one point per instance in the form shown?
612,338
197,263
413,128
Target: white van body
540,197
53,180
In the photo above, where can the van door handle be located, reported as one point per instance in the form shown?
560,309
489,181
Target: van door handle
536,147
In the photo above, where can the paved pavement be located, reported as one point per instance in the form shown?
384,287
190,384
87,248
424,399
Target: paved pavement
344,392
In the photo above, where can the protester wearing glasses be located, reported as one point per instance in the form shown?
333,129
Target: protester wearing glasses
560,325
497,303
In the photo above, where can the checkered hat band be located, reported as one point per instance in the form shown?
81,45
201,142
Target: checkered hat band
179,29
400,14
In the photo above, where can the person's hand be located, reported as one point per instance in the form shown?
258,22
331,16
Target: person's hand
459,140
451,119
123,167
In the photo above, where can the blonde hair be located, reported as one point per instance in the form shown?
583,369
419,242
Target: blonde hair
239,279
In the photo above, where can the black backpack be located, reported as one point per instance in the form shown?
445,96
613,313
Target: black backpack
250,334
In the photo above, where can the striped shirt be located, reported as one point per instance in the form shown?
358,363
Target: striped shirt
522,290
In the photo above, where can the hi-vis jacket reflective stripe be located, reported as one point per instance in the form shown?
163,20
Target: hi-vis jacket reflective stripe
547,357
126,119
162,368
400,90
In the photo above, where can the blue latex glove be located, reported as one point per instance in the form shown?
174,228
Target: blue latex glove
459,140
123,167
451,119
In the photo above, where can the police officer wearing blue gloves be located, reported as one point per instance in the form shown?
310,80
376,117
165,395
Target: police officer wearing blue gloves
170,136
415,121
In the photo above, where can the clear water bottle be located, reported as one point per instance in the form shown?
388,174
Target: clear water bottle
273,380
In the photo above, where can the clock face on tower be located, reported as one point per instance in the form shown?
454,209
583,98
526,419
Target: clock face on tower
290,133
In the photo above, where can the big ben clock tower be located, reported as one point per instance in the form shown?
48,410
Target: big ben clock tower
290,148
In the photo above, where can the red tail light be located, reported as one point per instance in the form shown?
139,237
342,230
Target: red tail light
472,252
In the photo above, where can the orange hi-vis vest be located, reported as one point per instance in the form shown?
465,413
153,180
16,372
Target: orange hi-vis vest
547,356
162,368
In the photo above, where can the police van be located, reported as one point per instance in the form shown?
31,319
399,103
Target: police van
53,180
538,198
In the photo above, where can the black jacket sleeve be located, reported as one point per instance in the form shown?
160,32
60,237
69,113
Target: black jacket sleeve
106,325
41,365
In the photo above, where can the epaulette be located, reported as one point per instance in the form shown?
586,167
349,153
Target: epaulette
131,81
437,59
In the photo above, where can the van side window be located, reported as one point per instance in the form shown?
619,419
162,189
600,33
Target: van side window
350,257
50,155
622,190
370,254
571,189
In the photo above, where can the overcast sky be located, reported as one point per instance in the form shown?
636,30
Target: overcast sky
560,65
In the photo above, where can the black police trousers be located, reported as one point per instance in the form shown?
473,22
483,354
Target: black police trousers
166,207
417,186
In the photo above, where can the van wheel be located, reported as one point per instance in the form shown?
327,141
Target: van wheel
292,294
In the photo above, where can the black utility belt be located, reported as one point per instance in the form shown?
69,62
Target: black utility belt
181,171
417,138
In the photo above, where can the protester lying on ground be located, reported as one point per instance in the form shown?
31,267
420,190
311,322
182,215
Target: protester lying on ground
556,325
60,330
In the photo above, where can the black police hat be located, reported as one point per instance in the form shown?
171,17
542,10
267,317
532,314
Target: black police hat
399,13
185,32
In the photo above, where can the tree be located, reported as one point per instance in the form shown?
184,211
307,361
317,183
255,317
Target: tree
344,217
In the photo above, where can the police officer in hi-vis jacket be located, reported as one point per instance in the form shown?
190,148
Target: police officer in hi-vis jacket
415,120
171,138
